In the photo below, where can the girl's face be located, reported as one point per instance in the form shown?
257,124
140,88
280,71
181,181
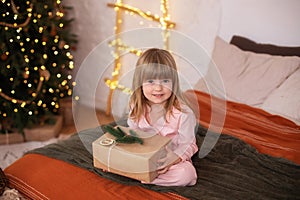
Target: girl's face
157,91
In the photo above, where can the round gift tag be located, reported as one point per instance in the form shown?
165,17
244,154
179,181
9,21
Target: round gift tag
106,142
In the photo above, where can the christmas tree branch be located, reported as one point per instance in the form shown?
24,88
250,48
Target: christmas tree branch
18,25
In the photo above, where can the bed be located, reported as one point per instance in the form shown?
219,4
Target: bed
255,151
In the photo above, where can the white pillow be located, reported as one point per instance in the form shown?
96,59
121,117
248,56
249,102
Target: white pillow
247,77
285,100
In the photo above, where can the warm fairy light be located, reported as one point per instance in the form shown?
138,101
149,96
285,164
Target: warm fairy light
23,104
71,65
40,102
68,54
122,47
51,90
59,14
64,83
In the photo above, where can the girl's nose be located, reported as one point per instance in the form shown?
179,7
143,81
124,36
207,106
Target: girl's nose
158,86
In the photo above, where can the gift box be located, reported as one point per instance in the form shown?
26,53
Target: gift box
137,161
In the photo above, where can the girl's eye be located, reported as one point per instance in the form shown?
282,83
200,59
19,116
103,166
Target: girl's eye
163,81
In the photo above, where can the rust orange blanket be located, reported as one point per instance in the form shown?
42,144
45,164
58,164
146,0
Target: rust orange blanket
269,134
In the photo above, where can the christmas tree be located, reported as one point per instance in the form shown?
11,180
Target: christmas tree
35,61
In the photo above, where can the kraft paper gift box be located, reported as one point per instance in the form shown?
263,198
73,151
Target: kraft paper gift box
137,161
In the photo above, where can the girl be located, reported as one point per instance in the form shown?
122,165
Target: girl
157,105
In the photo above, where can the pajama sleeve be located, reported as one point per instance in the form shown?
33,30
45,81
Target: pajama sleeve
186,145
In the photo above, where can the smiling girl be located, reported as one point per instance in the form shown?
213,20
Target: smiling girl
157,105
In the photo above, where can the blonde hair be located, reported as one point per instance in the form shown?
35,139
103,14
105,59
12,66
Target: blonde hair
154,64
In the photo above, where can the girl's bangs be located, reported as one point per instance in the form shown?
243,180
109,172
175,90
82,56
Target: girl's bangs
157,71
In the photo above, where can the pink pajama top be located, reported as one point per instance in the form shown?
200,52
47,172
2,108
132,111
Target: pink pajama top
180,127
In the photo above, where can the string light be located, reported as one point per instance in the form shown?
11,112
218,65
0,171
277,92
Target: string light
119,46
146,15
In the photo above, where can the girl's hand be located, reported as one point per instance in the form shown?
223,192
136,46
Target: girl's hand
163,170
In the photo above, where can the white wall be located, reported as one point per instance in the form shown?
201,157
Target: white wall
266,21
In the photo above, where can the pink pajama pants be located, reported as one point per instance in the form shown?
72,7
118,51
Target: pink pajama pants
181,174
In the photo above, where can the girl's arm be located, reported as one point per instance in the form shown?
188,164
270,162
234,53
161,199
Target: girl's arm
186,145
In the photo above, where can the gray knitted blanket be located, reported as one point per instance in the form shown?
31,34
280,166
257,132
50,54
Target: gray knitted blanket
232,170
